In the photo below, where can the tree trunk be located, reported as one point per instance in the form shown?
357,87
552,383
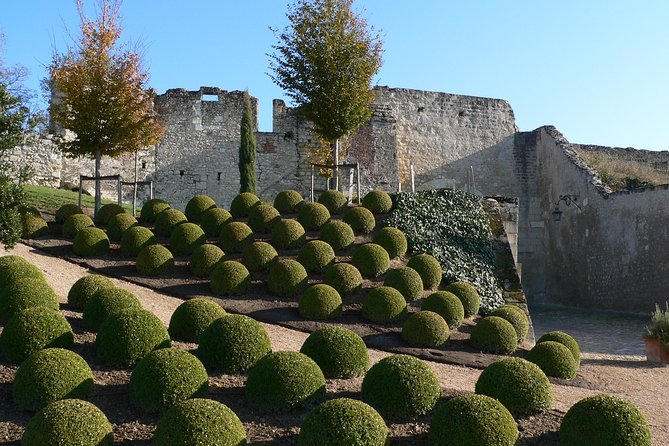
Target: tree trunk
98,197
335,158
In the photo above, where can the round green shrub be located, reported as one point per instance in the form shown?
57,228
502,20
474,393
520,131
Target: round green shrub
135,239
66,210
75,223
232,344
33,226
25,209
192,317
518,384
313,216
186,237
566,340
338,351
199,422
343,421
554,359
493,334
242,204
105,302
155,260
204,259
287,201
167,220
49,375
343,277
197,206
107,211
259,256
516,317
360,219
429,269
34,329
262,218
118,224
334,200
10,263
426,329
213,221
405,280
383,304
468,295
281,381
604,420
371,260
288,234
69,422
84,288
26,292
337,234
472,420
230,277
377,201
235,237
127,336
152,208
90,242
14,269
401,387
287,278
166,377
447,305
316,256
320,302
392,240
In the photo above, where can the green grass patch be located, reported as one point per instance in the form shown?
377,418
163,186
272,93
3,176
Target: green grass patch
48,200
622,174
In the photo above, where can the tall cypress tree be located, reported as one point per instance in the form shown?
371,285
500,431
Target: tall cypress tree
247,150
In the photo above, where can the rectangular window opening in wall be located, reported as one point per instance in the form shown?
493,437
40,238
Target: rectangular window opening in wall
182,172
210,98
143,164
219,176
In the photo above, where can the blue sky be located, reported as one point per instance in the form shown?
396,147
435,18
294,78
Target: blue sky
597,70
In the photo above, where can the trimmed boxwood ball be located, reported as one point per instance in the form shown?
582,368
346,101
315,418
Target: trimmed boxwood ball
26,292
107,211
192,317
383,305
213,221
235,237
243,203
199,421
135,239
604,420
185,238
281,381
50,375
127,336
429,269
232,344
197,206
118,224
75,223
472,420
338,351
313,216
166,377
360,219
516,317
337,234
343,277
492,334
262,218
287,278
151,209
343,421
66,210
554,359
426,329
320,302
465,291
69,422
447,305
288,234
316,255
259,256
287,201
230,277
518,384
106,302
392,240
204,259
401,387
334,200
25,209
378,201
567,341
84,288
167,220
33,226
371,260
405,280
155,260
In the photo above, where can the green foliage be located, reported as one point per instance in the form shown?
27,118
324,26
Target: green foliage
166,377
623,174
334,200
192,317
493,334
197,206
383,305
429,269
472,420
405,280
262,218
137,238
604,420
152,208
107,211
518,384
84,288
371,260
34,329
566,340
49,375
337,234
186,237
360,219
235,237
105,302
259,256
75,223
233,344
453,227
213,221
69,422
204,259
288,234
313,216
392,240
167,220
343,421
378,202
241,205
12,197
282,381
118,224
401,387
33,226
426,329
320,301
287,278
14,267
155,260
127,336
554,359
338,351
343,277
447,305
516,317
659,324
316,255
230,277
16,118
25,291
471,301
247,149
287,201
65,211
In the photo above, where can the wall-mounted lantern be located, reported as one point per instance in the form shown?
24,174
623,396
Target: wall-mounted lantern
568,200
